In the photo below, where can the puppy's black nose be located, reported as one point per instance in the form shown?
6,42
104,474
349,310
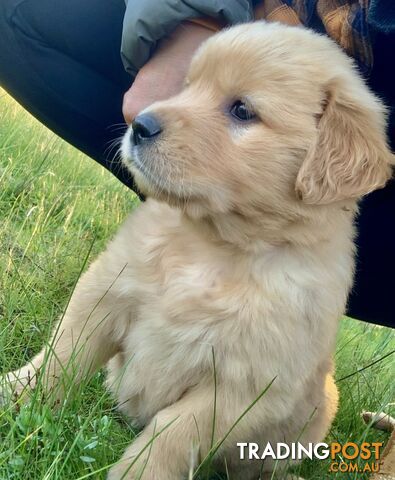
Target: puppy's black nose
145,127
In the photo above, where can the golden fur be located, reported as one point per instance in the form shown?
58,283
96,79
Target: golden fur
244,253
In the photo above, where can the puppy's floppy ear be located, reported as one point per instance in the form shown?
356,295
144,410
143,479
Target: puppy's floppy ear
350,156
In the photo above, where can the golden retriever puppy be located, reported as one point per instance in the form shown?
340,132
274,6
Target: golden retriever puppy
242,255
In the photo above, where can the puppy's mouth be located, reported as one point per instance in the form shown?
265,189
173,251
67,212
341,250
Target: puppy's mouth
136,162
152,178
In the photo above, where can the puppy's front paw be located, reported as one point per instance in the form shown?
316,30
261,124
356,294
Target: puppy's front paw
17,385
140,470
123,470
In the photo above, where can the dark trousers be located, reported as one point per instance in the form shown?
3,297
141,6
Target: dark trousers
60,59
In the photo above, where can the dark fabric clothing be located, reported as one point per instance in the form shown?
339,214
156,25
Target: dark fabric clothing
372,298
60,59
381,16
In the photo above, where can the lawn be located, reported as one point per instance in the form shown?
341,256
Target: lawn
57,211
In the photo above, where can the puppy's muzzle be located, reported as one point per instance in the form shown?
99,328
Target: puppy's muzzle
146,127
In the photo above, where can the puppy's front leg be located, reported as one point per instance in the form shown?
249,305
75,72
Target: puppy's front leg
179,437
163,450
83,340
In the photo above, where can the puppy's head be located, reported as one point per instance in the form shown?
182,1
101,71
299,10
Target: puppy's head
272,119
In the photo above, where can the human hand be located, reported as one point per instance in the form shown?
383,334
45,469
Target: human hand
163,75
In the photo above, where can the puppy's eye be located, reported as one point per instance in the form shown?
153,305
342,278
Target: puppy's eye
240,111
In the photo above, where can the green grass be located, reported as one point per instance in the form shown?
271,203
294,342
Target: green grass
57,211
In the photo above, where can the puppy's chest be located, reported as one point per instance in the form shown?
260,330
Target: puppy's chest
185,286
216,302
198,292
